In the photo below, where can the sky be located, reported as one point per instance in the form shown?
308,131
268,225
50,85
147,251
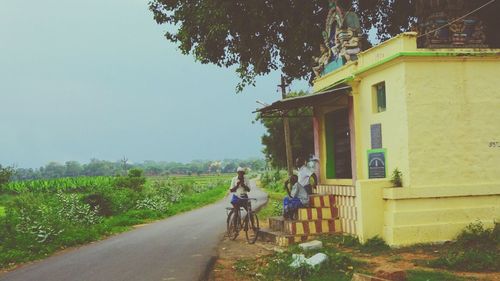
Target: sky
97,79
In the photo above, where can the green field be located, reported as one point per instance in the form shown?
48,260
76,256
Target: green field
47,215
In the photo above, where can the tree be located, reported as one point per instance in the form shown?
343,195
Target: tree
260,36
301,134
73,169
53,170
5,174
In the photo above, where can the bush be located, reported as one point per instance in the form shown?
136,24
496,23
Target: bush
375,245
135,180
75,211
273,180
476,249
100,202
154,203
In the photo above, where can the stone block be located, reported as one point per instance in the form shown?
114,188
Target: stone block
311,245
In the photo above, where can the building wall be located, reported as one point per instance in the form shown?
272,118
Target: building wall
393,121
453,115
441,128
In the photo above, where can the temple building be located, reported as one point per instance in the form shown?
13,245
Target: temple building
430,114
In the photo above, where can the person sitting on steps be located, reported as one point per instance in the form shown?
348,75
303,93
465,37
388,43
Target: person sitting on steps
297,198
239,186
305,174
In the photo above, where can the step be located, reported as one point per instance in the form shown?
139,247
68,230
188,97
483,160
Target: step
322,201
279,238
309,227
277,223
305,214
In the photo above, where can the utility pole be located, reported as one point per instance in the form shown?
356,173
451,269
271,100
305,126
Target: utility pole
286,129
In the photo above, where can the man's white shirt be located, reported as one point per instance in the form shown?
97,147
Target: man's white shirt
304,173
240,190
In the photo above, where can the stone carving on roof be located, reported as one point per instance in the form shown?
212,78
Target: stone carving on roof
342,38
442,25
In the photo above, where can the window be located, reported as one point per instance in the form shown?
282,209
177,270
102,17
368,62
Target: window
379,97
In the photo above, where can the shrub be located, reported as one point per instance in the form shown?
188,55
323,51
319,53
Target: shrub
374,245
99,202
154,203
475,249
74,211
135,180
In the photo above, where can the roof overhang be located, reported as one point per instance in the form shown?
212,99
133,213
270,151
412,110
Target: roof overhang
324,97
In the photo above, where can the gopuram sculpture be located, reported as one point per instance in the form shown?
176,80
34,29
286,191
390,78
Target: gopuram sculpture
441,25
342,38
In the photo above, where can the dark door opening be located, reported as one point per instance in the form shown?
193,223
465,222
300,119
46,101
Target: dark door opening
338,145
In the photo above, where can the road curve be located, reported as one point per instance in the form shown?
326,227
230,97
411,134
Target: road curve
176,248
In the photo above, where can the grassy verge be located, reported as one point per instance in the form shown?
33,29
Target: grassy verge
2,211
274,206
22,248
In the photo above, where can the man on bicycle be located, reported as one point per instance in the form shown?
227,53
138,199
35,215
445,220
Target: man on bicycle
239,186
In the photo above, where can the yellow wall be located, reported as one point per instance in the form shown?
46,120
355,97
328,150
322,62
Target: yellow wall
393,120
453,114
423,217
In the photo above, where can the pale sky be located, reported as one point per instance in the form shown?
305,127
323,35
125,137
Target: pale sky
96,79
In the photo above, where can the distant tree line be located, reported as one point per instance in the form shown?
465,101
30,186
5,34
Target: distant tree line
98,167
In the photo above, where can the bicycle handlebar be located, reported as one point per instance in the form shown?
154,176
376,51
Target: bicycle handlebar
248,199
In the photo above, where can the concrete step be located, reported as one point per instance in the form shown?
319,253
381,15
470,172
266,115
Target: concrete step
305,214
279,238
322,201
312,227
277,223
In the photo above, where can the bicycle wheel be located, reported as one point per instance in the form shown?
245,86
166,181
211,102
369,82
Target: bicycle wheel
233,225
251,227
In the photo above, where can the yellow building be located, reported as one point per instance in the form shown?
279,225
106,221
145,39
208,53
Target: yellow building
433,114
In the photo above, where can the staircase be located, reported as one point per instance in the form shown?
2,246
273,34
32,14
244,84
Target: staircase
321,217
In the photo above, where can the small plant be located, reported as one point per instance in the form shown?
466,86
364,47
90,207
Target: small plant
375,245
397,178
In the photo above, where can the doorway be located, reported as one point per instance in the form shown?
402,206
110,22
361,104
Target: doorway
338,145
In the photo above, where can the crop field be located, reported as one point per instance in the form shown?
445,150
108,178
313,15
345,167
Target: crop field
46,215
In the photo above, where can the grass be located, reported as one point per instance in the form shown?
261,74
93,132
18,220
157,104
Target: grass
117,223
476,249
423,275
274,206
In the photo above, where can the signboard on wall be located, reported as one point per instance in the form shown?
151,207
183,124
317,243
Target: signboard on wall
377,164
376,135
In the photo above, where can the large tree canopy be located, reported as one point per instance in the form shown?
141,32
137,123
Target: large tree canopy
259,36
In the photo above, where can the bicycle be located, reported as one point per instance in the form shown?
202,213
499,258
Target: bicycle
250,223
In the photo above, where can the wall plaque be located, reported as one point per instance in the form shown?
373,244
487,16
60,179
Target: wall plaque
376,135
376,164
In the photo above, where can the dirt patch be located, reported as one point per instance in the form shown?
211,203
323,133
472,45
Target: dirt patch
230,251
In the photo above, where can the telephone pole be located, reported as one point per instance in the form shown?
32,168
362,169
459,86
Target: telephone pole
286,129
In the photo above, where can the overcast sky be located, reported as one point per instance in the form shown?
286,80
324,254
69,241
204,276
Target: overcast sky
96,79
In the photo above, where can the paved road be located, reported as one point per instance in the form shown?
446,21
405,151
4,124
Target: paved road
177,248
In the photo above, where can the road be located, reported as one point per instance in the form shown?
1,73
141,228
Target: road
176,248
